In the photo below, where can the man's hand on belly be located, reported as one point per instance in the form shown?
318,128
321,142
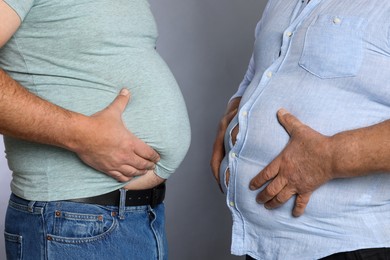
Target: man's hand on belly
110,148
303,166
101,140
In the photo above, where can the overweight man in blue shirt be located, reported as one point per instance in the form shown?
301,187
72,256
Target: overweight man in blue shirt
303,152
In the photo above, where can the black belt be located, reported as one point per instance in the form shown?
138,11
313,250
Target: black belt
150,197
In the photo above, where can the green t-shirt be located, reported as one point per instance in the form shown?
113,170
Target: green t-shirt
78,55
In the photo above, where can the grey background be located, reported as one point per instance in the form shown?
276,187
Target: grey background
207,44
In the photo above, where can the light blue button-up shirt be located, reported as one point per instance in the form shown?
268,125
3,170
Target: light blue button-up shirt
328,63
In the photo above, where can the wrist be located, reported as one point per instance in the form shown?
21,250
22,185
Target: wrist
76,133
342,152
334,160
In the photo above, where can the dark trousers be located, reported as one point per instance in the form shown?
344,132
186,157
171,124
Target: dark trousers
362,254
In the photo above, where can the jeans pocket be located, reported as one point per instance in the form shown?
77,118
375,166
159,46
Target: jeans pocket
79,227
333,46
13,246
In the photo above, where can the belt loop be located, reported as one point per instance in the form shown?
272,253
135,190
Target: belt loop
30,206
122,204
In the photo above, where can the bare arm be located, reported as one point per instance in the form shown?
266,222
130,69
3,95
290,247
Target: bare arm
311,159
10,22
101,140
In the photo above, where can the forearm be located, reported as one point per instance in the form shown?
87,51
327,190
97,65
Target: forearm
362,151
26,116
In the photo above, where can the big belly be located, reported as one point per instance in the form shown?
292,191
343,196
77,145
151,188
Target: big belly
264,138
156,112
156,109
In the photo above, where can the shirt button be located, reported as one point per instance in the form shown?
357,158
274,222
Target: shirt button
269,74
234,155
336,20
289,34
231,204
244,113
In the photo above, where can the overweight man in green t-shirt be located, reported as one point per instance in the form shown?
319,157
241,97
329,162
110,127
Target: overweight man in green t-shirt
88,165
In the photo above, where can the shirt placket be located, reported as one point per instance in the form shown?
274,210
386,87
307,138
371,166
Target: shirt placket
301,11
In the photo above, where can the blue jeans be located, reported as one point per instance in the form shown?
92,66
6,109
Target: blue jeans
68,230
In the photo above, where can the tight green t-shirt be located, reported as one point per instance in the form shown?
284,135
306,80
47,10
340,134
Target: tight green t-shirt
78,55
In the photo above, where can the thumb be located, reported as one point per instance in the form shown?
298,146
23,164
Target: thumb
121,101
288,121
